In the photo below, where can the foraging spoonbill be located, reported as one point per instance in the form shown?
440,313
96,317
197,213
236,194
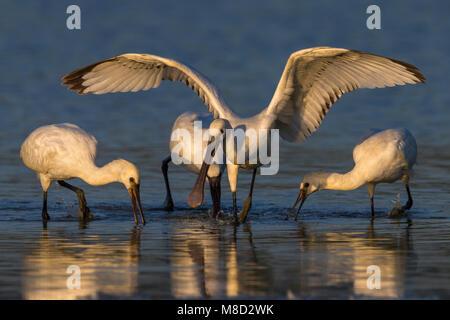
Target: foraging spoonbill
312,81
64,151
381,157
186,151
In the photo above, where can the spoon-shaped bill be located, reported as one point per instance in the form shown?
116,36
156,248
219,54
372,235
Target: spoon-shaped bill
135,197
196,196
301,196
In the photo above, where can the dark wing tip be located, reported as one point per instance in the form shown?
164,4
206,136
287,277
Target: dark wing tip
409,67
74,80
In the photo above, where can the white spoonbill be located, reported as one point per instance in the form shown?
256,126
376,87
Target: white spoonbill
182,145
64,151
381,156
312,81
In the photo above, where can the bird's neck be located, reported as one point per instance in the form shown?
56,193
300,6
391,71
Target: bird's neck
347,181
98,176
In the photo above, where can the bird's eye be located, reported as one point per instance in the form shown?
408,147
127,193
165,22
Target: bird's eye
222,131
131,179
306,185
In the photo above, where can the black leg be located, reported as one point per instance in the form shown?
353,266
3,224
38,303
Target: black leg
253,182
408,204
371,190
84,212
168,203
372,206
45,215
235,219
214,185
248,202
400,211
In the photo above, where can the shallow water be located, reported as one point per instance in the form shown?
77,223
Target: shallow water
185,254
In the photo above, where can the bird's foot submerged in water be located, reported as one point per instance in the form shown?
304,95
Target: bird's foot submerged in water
235,219
245,209
398,212
168,204
45,215
85,214
220,217
216,214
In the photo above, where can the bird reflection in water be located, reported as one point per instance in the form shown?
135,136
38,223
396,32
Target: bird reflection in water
341,271
198,258
206,263
109,268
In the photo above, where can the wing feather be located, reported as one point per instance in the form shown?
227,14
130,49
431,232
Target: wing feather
134,72
315,78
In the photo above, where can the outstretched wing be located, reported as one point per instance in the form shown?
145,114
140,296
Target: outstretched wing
132,72
315,78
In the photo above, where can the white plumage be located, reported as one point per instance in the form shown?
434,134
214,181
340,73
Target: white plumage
64,151
312,81
381,157
58,152
182,145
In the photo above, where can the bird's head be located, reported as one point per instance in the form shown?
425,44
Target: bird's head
127,172
312,182
128,175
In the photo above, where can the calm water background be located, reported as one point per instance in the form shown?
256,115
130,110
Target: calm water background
243,48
